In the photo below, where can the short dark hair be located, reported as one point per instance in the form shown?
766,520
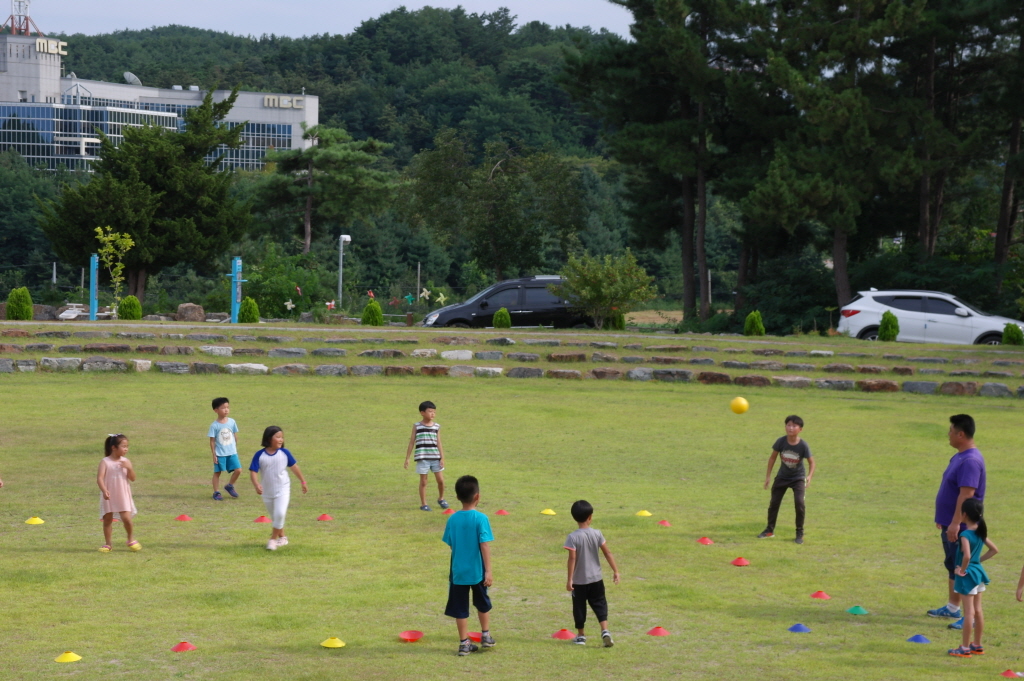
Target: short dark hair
219,402
466,488
113,441
793,418
270,432
427,405
963,423
581,510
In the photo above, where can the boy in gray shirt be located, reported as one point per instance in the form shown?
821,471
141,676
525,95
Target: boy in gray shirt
585,581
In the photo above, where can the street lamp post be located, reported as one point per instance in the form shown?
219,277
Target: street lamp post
342,240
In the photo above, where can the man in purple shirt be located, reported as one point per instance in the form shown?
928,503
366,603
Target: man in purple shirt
964,478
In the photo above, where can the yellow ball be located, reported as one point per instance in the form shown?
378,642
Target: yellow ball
739,405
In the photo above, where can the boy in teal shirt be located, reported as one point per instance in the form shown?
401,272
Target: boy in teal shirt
223,436
468,532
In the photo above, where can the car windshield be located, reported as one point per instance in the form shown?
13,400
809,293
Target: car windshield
478,296
970,307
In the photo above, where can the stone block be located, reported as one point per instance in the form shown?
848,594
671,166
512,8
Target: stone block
838,368
291,369
998,374
633,359
204,368
38,347
673,375
834,384
523,356
543,341
456,340
461,370
931,371
526,372
853,354
173,336
488,372
279,339
768,352
878,385
733,364
702,360
158,318
667,348
567,357
244,339
91,334
330,370
18,333
489,355
799,366
903,371
457,355
928,360
995,390
104,364
60,363
570,344
965,372
206,337
640,374
796,353
6,366
661,359
329,352
366,370
959,388
564,373
500,341
633,346
246,368
752,381
1020,391
603,344
892,357
734,351
713,378
966,360
42,313
216,350
107,347
70,348
822,353
26,365
190,312
792,381
287,352
434,370
920,387
249,351
870,369
704,348
423,352
603,357
136,335
606,373
148,348
398,371
140,364
1007,362
405,341
172,350
168,367
767,365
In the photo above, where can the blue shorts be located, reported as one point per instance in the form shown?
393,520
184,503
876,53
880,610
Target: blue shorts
424,466
458,600
227,464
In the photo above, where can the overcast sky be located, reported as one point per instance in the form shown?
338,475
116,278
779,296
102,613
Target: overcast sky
296,17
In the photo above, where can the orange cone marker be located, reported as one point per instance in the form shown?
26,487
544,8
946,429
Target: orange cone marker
183,647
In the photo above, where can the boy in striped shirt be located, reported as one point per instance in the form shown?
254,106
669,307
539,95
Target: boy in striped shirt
429,454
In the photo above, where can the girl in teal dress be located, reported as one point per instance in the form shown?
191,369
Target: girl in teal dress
971,577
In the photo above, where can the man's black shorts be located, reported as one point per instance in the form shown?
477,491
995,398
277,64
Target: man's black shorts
458,600
950,549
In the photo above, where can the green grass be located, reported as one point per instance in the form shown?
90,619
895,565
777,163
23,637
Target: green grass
380,567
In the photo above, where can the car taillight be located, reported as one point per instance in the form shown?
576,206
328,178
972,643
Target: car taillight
849,313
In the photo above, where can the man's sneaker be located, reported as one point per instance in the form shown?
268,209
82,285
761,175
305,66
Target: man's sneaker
443,504
282,541
767,534
230,489
944,611
466,647
272,545
958,625
606,636
217,496
487,641
799,538
581,640
424,507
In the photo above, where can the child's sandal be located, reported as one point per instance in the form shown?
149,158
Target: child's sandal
977,650
959,652
105,548
135,545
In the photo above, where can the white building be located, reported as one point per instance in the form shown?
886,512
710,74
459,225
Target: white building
54,119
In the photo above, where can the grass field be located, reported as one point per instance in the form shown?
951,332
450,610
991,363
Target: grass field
380,567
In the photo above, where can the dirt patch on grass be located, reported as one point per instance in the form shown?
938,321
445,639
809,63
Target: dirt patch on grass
655,317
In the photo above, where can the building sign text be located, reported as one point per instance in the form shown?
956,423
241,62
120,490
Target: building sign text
279,102
46,46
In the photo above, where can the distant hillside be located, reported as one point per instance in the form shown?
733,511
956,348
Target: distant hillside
401,77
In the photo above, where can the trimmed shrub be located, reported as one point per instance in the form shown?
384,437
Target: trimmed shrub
752,325
502,319
616,322
372,314
19,305
889,328
130,308
248,311
1012,335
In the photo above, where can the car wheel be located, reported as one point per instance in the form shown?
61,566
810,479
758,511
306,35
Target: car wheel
990,339
457,325
870,334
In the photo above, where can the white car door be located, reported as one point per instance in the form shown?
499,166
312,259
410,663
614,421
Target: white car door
909,310
943,325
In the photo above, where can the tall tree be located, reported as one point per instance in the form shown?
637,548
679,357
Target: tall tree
162,188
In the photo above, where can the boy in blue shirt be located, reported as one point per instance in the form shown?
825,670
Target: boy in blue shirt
224,448
468,532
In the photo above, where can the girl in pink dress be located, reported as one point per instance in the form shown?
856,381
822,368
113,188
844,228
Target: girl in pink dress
113,477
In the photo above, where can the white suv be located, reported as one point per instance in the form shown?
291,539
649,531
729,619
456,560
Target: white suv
924,316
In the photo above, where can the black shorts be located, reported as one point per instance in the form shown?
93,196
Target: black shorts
950,549
458,600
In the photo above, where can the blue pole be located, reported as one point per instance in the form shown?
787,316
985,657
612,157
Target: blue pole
94,303
236,288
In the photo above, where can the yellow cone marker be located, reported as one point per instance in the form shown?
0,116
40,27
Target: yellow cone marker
547,511
333,642
35,520
67,656
644,514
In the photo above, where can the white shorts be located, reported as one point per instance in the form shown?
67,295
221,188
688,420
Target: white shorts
424,466
975,591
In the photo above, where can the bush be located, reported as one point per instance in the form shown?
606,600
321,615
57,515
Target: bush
19,305
130,308
1012,335
604,287
372,314
617,322
502,319
752,325
248,311
889,328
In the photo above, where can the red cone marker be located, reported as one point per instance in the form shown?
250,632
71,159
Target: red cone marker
664,523
324,517
449,511
741,562
183,518
705,541
475,636
1009,673
657,631
411,636
262,519
501,511
821,595
563,634
183,647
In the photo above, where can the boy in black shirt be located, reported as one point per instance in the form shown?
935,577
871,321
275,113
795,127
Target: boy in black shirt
791,475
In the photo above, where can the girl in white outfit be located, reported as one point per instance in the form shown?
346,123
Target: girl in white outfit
272,463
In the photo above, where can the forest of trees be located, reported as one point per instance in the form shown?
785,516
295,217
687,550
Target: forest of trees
785,155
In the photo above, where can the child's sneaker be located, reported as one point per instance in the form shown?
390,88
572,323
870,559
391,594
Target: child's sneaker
230,489
959,652
944,611
272,545
217,496
606,636
767,534
443,504
424,507
487,641
282,541
581,640
466,647
977,650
